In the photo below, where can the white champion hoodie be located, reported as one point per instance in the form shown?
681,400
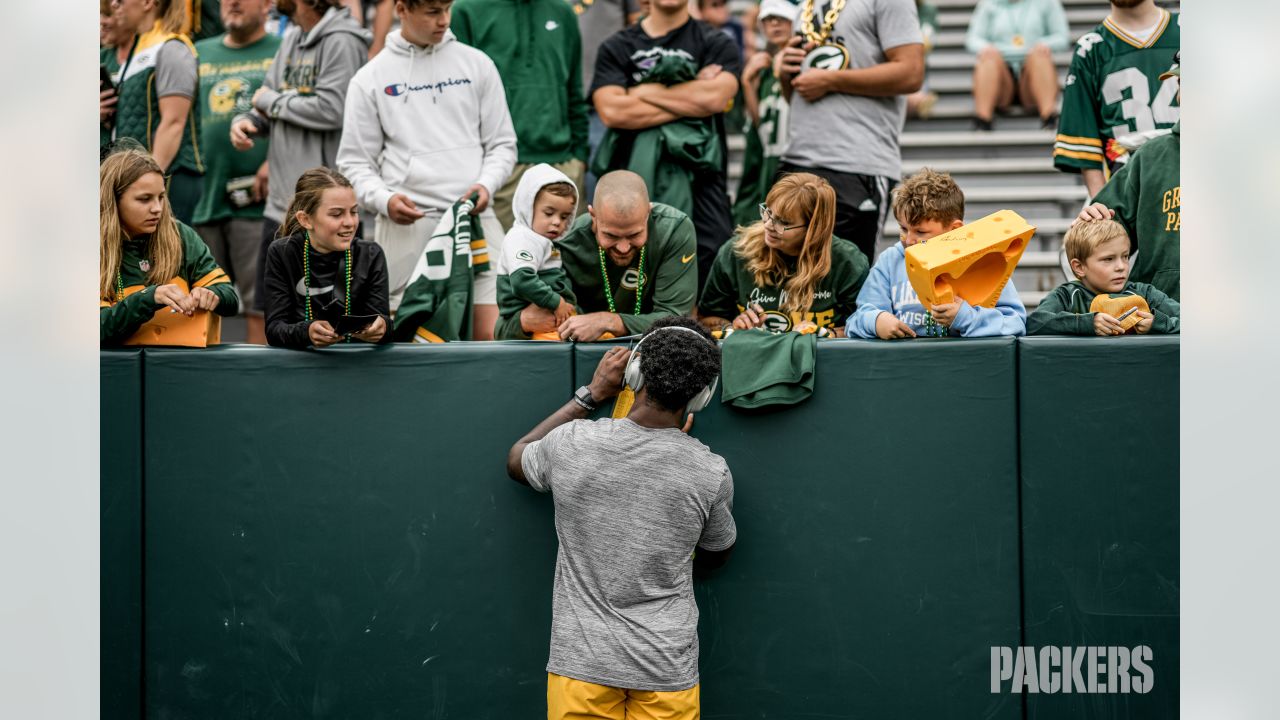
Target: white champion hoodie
426,122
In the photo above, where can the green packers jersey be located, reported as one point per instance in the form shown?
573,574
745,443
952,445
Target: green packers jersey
1113,89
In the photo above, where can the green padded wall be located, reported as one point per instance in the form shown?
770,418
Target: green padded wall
333,535
120,487
1099,464
871,579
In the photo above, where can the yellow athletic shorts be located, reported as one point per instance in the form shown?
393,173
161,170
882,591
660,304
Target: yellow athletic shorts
569,699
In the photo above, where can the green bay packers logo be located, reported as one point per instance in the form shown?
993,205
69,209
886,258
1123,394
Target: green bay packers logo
524,255
826,57
230,95
775,321
630,279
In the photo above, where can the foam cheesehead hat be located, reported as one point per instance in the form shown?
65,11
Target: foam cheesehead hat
778,8
1175,70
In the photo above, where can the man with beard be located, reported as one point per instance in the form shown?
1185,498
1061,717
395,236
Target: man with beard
301,103
630,262
1113,89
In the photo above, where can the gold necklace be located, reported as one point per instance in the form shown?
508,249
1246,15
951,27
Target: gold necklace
828,21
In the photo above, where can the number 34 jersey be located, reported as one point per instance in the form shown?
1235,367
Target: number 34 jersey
1113,89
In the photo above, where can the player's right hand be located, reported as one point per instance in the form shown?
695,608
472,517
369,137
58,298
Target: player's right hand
402,211
889,327
607,381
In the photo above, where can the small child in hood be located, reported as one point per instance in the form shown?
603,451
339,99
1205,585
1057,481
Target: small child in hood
529,267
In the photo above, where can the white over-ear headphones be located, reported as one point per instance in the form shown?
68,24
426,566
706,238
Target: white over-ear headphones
635,378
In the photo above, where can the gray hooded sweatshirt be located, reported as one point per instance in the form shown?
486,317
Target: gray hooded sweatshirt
302,101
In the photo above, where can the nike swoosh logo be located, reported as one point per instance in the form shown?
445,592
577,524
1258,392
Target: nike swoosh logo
687,258
302,289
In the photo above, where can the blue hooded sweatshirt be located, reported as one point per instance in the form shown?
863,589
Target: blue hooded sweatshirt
888,290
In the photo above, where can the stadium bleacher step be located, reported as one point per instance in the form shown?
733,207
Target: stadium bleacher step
963,60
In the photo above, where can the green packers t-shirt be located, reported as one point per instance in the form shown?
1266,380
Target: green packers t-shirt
731,287
228,79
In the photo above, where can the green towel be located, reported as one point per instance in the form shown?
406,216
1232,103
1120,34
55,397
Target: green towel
760,368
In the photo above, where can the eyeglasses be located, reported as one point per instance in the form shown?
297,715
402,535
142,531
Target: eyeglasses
768,218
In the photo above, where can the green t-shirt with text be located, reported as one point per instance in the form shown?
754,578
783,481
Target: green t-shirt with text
228,79
731,286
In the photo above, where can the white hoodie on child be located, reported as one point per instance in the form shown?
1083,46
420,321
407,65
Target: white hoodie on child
426,122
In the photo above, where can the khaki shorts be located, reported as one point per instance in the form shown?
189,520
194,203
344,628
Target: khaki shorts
568,698
403,245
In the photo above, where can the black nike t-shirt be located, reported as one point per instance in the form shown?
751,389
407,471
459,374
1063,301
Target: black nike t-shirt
626,56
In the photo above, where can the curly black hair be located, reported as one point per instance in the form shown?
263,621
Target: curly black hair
676,365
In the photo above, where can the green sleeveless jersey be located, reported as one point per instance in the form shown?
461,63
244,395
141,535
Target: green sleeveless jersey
138,109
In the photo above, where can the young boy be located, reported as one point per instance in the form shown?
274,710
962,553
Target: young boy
529,268
427,124
926,204
1099,256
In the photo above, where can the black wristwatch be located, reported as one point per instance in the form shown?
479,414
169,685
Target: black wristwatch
584,398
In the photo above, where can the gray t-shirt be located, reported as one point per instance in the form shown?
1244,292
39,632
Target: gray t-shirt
856,133
631,503
176,71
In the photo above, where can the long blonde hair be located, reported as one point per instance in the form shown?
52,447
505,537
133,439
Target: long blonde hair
173,16
797,196
120,170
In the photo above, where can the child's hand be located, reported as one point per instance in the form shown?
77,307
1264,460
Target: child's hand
564,311
945,314
889,327
322,334
1144,325
1104,324
806,327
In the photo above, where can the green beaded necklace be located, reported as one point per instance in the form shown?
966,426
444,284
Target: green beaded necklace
608,288
306,274
931,326
119,286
